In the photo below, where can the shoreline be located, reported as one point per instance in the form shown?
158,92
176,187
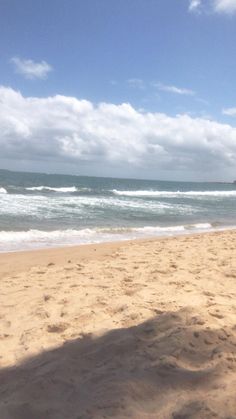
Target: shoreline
24,259
145,326
186,232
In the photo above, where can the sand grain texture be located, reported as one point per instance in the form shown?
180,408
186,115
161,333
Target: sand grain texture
143,329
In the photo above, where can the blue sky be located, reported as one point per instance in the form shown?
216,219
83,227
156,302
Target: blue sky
167,56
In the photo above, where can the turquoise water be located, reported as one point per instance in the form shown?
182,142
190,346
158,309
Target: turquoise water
41,210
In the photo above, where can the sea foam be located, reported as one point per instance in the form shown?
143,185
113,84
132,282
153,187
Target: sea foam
174,194
22,240
49,188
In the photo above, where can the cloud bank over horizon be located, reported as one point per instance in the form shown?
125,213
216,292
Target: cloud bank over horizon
50,132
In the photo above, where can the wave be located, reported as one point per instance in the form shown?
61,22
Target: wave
22,240
174,194
43,206
49,188
3,190
156,229
176,229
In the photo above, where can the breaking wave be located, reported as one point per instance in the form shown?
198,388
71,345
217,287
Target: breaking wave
48,188
23,240
175,194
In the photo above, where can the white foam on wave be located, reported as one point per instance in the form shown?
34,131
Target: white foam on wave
174,194
44,206
156,229
36,239
175,229
31,239
3,190
49,188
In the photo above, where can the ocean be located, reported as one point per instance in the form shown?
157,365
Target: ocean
45,210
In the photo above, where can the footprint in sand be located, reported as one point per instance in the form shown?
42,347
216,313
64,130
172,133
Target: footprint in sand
4,336
51,264
57,327
47,297
208,294
216,314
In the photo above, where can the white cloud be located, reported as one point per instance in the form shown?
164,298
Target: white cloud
31,69
174,89
213,6
229,111
194,5
64,130
225,6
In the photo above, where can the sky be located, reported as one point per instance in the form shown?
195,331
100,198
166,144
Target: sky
122,88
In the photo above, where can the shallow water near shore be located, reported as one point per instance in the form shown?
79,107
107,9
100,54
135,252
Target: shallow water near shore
41,210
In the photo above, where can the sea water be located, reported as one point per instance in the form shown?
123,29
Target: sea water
45,210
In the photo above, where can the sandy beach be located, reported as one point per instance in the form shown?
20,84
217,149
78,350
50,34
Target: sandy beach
138,329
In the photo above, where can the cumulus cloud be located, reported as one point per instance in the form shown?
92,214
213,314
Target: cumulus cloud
213,6
194,5
31,69
174,89
229,111
225,6
67,130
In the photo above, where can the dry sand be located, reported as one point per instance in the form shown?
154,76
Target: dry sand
143,329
